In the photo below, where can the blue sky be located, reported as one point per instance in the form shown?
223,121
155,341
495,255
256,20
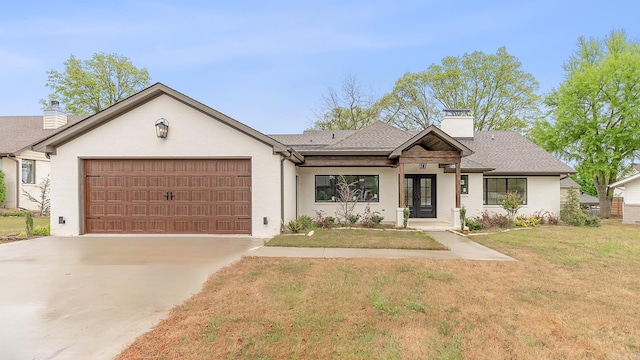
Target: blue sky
267,64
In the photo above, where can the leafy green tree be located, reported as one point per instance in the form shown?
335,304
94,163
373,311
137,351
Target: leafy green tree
351,108
89,86
499,93
586,184
597,112
3,189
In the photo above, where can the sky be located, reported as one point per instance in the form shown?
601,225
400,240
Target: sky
268,63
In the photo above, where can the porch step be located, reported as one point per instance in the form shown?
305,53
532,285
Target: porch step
430,224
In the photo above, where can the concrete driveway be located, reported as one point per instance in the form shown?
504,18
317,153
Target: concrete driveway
88,297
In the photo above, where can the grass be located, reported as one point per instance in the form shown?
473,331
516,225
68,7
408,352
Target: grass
573,294
14,225
360,238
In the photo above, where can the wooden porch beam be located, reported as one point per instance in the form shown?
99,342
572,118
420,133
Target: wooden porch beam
458,187
402,189
347,160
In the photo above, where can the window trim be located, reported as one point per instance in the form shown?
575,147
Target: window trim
485,191
462,187
376,198
24,179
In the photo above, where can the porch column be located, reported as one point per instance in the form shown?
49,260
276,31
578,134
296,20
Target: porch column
402,190
458,184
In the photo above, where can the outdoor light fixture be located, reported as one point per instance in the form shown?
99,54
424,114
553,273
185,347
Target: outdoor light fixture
162,128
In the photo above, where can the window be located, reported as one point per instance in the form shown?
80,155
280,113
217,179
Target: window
464,184
495,189
28,171
366,185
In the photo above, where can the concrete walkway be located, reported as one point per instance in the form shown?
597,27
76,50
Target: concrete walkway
460,248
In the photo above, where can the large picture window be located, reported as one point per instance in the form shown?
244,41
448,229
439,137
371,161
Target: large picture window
28,171
367,187
495,189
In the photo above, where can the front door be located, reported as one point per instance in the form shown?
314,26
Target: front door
420,195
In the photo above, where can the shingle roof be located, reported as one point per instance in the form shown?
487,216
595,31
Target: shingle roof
495,152
19,132
568,182
511,153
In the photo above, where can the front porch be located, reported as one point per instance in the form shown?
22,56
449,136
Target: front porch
430,224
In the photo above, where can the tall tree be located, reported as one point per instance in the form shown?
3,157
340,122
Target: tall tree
499,93
411,104
351,108
89,86
597,112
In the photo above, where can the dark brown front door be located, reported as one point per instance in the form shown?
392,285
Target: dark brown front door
178,196
420,195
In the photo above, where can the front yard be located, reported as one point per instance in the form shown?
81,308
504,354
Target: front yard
573,294
10,225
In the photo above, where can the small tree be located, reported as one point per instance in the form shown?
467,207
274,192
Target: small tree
29,223
463,217
511,204
43,201
3,189
573,214
348,194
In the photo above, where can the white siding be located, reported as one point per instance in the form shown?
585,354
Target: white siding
191,134
10,177
632,192
388,188
43,169
543,194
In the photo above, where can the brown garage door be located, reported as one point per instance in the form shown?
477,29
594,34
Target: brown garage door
181,196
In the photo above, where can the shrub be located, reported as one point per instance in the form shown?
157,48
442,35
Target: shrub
303,223
573,214
511,204
406,212
14,213
492,220
527,221
546,217
463,217
42,230
353,218
322,221
3,189
472,224
29,223
371,218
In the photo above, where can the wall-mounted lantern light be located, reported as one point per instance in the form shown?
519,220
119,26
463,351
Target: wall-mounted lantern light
162,128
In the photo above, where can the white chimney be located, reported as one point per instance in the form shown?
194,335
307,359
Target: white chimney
457,123
53,116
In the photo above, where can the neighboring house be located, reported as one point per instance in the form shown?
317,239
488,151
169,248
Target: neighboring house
631,201
586,200
114,173
25,169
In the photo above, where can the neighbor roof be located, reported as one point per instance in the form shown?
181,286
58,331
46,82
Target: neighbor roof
624,181
494,152
19,132
569,183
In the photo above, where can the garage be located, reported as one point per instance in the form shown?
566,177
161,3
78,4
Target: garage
167,196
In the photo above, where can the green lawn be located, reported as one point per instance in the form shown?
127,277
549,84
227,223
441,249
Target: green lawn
14,225
360,238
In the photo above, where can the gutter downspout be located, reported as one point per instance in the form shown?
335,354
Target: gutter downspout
282,160
12,157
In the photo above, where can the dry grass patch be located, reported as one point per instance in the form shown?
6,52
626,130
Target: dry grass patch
547,305
360,238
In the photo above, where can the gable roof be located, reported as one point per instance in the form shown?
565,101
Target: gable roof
17,133
431,131
50,144
569,183
490,152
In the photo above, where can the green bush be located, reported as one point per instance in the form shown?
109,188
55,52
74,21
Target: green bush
303,223
527,221
511,204
14,213
3,189
29,223
573,214
42,231
353,218
473,225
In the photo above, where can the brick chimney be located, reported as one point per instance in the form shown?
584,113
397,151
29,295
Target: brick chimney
53,116
457,123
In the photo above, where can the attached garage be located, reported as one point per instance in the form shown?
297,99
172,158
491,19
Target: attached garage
114,173
167,196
